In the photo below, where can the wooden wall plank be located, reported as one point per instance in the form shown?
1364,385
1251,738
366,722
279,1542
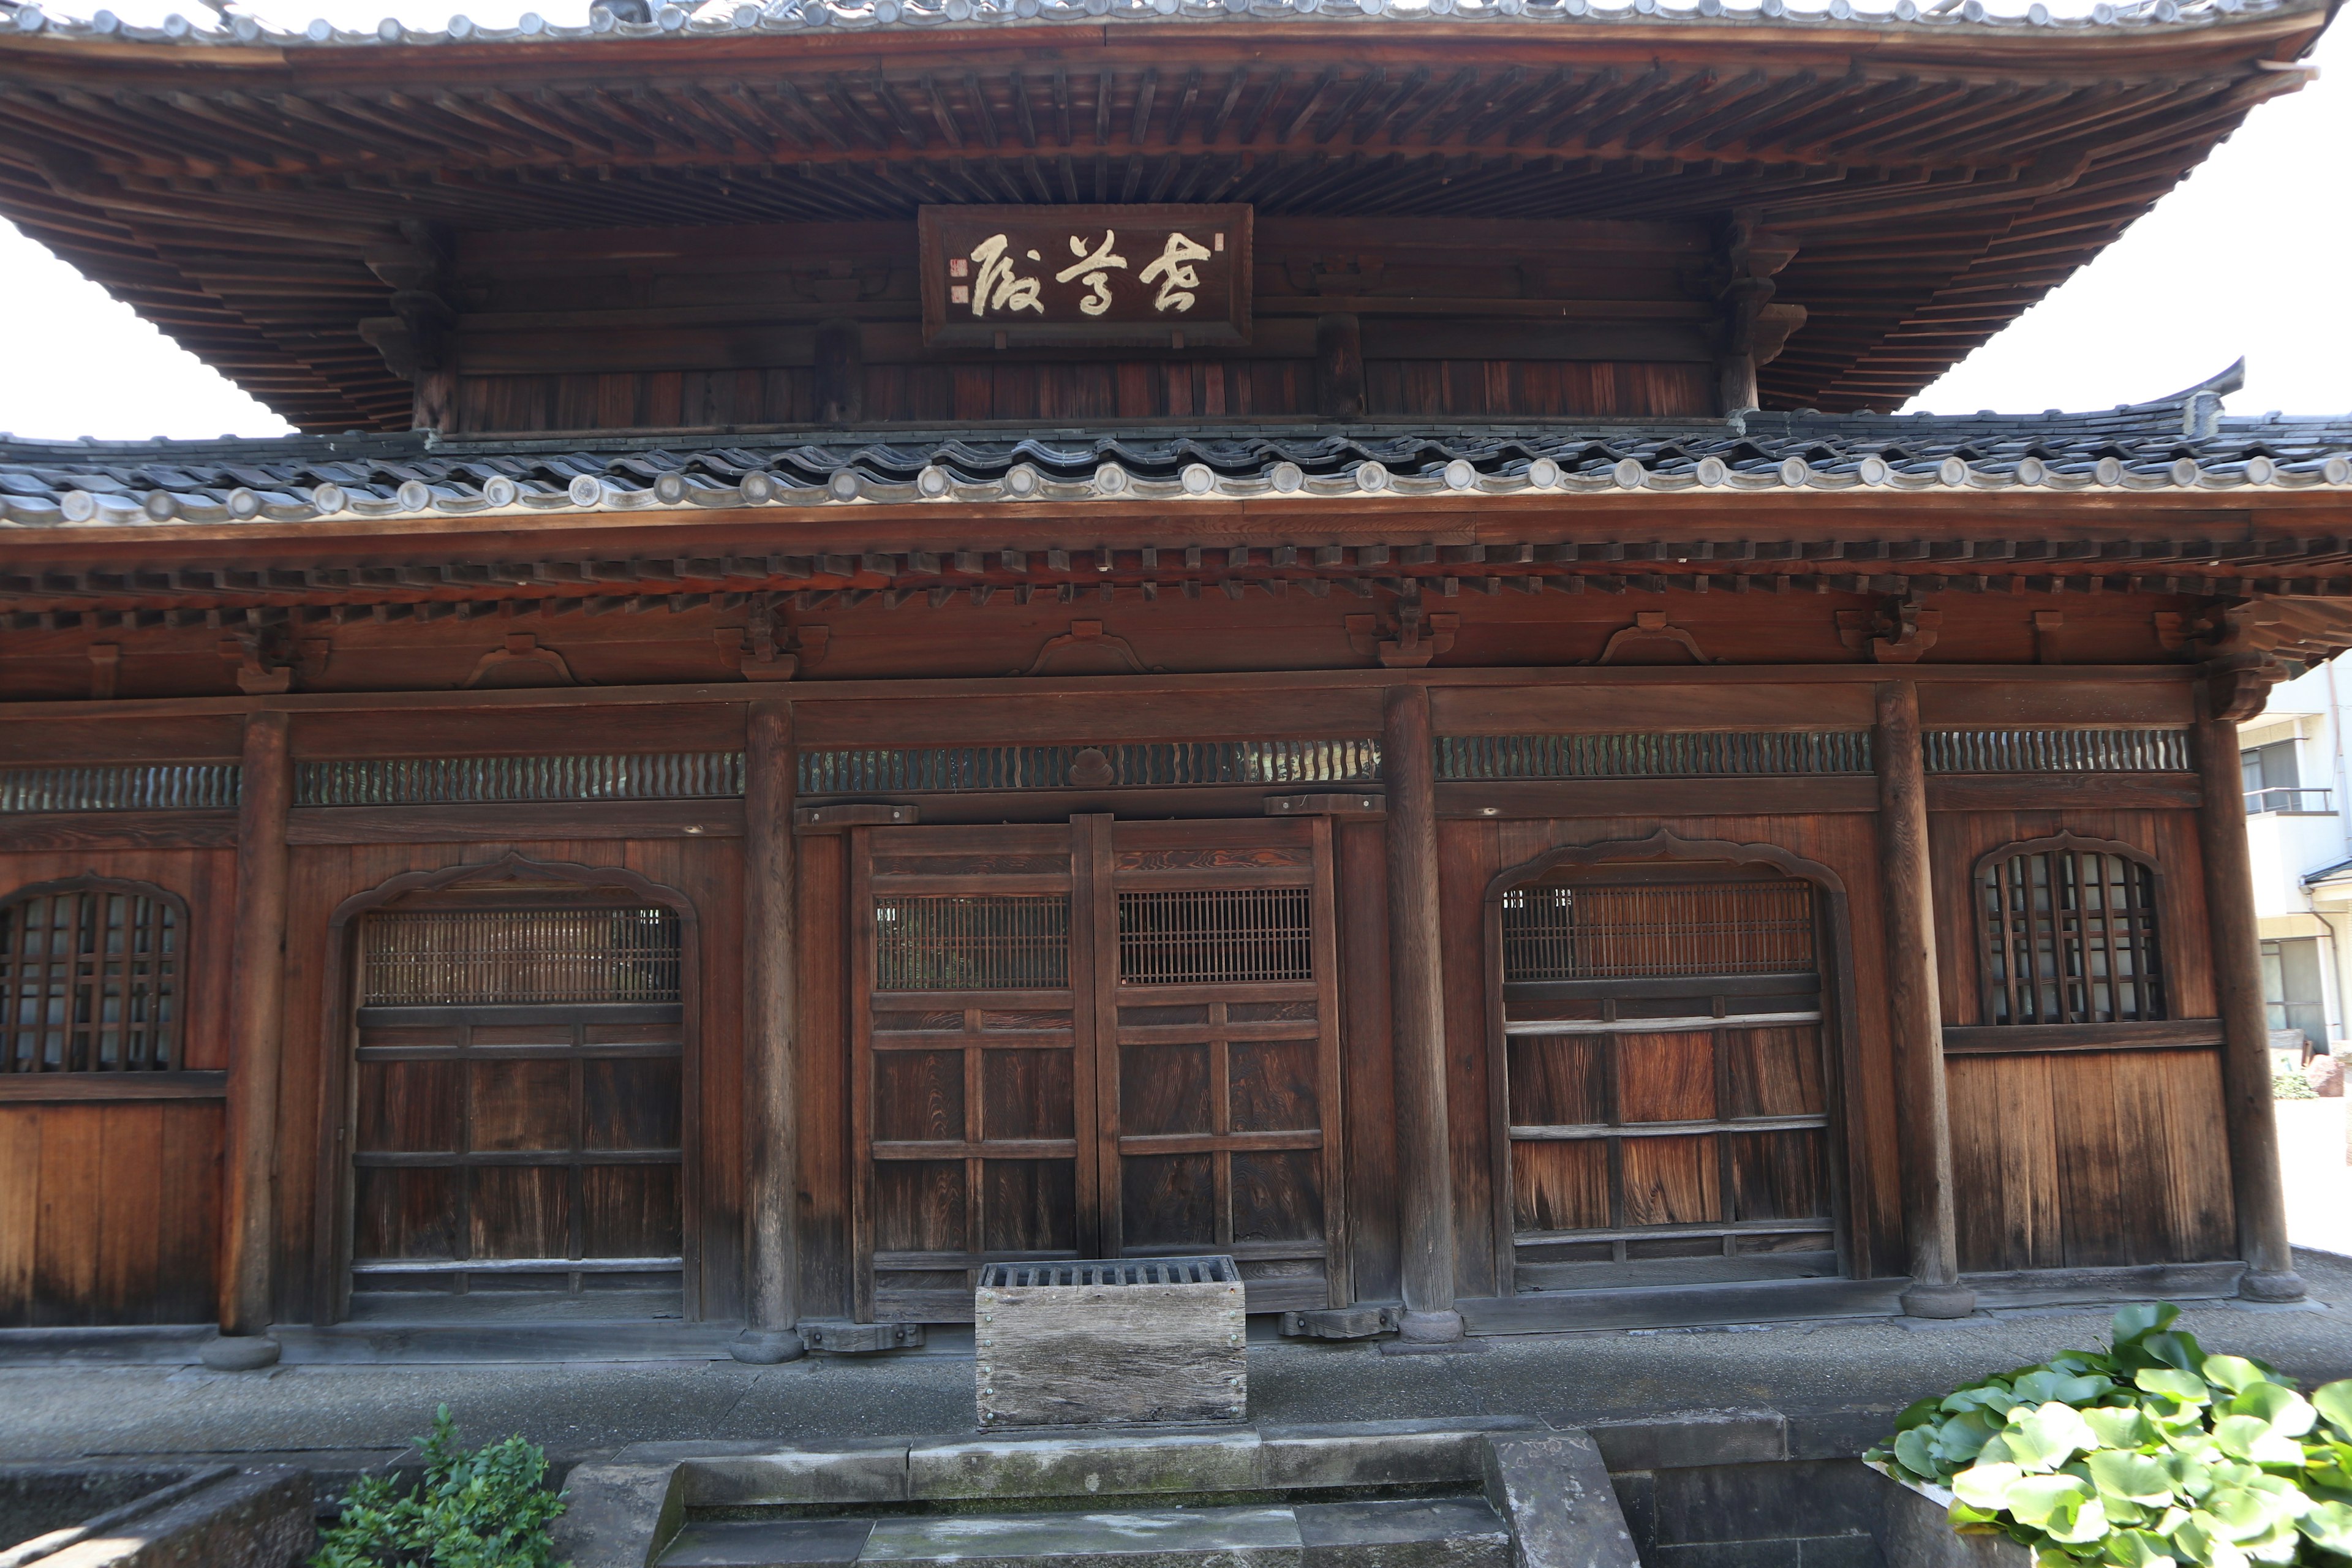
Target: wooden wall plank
20,1199
65,1263
131,1180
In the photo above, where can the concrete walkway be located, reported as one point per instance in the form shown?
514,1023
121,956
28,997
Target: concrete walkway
1844,1378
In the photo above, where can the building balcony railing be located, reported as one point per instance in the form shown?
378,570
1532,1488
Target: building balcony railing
2289,801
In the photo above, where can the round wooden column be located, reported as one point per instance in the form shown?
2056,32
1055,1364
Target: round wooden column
1915,1011
2236,945
1416,993
771,1042
257,1016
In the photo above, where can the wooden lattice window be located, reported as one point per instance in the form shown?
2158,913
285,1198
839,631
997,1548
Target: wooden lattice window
444,958
1555,933
1214,936
90,977
2069,934
984,941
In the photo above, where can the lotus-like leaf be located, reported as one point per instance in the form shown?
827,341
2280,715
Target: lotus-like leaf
2045,1439
2174,1383
2334,1400
2174,1348
2143,1318
2063,1507
2192,1476
1913,1453
1919,1413
2136,1478
2138,1549
2289,1413
2329,1525
2251,1439
2038,1387
2201,1540
2235,1372
2243,1513
2119,1426
1962,1440
1986,1485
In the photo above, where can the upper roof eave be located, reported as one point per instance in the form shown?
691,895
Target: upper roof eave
1839,24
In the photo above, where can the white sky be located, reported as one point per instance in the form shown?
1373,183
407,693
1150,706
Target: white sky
2253,256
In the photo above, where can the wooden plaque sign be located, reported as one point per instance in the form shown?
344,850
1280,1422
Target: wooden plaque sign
1165,277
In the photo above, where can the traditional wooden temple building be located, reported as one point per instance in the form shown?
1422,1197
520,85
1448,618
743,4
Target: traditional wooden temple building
904,635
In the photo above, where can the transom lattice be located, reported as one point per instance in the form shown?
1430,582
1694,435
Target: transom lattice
90,980
1552,933
528,956
2070,938
1214,936
983,942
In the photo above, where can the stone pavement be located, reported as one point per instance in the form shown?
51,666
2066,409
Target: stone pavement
1850,1374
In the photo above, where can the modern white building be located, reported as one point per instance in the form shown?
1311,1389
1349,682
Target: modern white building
2294,759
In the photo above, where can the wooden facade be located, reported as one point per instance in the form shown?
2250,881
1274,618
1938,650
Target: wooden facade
762,807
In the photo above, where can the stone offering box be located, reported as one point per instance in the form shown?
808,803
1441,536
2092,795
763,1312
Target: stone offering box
1138,1340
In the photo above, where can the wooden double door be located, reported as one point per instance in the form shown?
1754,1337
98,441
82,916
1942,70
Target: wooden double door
1095,1040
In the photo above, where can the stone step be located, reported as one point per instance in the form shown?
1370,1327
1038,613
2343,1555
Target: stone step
1448,1532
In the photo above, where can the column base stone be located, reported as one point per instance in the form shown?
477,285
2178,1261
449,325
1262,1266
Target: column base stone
767,1347
1939,1301
239,1352
2269,1285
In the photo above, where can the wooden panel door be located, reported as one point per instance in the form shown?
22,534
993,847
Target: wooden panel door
973,1065
517,1104
1665,1091
1220,1076
1094,1040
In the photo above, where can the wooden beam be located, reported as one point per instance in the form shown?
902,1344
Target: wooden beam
771,1040
256,1005
2235,944
1417,998
1914,1010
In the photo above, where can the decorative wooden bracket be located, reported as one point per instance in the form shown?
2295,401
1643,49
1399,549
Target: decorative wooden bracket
2047,624
1419,637
1650,625
754,651
495,667
105,669
1089,636
262,669
1897,632
2171,630
2238,686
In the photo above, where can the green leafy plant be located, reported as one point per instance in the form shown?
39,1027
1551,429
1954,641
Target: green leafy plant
2151,1454
487,1507
2288,1083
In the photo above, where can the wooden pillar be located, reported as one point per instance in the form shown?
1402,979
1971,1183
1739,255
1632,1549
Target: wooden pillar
771,1041
1340,366
1424,1170
2236,941
1915,1011
257,1016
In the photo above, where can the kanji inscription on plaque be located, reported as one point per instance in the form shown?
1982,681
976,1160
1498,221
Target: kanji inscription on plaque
1167,277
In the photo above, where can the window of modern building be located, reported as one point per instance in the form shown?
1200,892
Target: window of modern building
2271,778
2291,988
90,977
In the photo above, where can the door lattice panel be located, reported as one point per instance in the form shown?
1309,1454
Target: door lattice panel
1214,936
1553,932
454,958
972,943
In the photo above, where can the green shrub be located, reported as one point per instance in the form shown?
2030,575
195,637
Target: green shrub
2151,1455
486,1509
2288,1083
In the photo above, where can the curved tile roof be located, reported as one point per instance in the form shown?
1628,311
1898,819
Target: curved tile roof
2146,447
718,18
